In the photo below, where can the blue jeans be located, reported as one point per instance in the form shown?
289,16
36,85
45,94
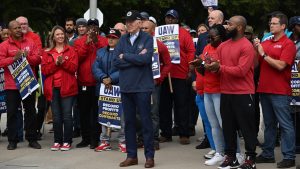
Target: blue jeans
276,108
212,107
62,117
200,103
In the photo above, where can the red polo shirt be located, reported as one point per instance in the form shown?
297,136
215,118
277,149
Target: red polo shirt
272,80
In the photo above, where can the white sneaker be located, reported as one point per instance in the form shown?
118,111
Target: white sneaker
217,159
240,157
210,154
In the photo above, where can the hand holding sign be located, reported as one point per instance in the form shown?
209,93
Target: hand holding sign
107,81
18,55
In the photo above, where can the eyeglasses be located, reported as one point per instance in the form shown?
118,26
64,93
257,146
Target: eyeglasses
272,23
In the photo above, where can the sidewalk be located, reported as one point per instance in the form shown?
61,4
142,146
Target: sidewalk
171,156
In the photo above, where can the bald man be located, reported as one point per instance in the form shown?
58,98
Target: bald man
215,17
10,51
165,66
237,99
26,30
121,27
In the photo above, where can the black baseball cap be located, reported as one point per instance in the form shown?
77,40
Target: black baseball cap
133,15
93,21
173,13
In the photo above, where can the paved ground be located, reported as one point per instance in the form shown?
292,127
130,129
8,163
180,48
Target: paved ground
171,156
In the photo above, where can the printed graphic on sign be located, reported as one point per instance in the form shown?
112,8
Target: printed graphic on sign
24,77
169,35
295,84
155,61
110,106
2,93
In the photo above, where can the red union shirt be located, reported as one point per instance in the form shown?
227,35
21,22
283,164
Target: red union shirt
272,80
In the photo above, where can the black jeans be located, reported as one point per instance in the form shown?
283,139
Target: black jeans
238,112
88,110
177,100
13,103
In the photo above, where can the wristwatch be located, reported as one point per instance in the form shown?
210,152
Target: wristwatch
264,55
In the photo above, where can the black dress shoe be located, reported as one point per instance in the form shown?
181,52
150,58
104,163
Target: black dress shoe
82,144
286,163
262,159
204,144
34,144
11,146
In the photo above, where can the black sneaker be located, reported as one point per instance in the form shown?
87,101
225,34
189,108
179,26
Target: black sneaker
11,146
204,144
262,159
229,162
34,144
286,163
248,164
82,144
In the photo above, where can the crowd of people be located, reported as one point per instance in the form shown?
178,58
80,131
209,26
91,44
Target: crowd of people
223,75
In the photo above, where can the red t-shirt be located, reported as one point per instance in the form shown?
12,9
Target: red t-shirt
57,76
272,80
211,79
236,66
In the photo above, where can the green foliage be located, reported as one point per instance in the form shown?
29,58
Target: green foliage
44,14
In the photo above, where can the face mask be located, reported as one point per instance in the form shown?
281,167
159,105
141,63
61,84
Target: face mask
233,33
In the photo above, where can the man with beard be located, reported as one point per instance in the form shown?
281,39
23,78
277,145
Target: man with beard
70,29
237,100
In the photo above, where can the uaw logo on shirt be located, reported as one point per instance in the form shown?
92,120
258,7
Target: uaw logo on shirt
129,13
277,46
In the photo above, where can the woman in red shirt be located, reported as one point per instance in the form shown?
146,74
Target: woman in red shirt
59,64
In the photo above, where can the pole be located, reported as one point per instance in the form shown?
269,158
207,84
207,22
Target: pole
93,8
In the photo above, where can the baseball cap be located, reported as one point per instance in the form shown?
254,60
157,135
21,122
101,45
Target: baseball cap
173,13
93,21
145,15
81,21
152,19
133,15
249,29
114,33
193,31
295,20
